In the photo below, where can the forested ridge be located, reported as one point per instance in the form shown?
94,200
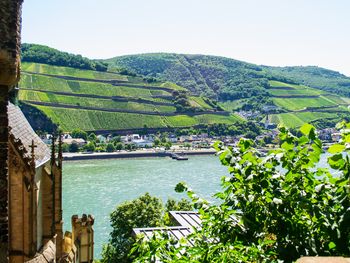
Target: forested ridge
46,55
225,78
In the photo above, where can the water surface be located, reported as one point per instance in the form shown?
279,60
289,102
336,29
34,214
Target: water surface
98,186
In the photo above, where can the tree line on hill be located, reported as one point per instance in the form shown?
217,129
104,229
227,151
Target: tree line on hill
227,79
46,55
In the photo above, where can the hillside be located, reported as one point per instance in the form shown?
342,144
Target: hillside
225,78
298,104
217,77
301,94
315,77
97,101
172,90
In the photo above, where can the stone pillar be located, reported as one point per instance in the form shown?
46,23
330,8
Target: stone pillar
83,237
58,211
3,174
10,26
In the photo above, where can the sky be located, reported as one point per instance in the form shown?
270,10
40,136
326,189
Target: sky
268,32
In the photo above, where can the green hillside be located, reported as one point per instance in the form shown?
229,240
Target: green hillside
93,100
225,78
299,104
302,94
315,77
179,90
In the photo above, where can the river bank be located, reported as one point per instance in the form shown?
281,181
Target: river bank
134,154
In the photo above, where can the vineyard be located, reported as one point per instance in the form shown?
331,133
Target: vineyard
91,100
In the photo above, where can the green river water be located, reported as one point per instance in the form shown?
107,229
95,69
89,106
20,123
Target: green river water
97,186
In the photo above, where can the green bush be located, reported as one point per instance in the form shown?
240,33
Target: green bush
110,147
143,211
272,208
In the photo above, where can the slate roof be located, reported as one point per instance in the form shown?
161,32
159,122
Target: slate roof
21,130
187,220
177,232
47,254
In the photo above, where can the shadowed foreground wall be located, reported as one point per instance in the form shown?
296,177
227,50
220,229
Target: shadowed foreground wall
10,26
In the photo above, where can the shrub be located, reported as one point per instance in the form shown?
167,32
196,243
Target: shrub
272,208
110,147
143,211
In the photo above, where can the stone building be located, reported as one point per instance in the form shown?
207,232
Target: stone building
31,173
35,191
35,200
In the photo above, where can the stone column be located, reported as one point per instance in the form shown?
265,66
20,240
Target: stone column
3,174
83,237
10,26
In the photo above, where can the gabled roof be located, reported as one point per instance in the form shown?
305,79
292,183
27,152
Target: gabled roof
21,130
187,221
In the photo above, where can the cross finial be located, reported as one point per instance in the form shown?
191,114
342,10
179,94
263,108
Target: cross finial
33,146
53,151
60,157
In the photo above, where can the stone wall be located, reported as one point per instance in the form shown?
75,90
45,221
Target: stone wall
3,175
10,26
10,29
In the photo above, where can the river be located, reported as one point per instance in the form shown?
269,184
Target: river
98,186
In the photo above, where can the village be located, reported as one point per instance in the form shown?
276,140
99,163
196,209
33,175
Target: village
80,141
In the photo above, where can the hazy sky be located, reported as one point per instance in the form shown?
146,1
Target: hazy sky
269,32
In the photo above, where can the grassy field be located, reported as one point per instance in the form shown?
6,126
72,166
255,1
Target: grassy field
199,102
70,119
279,84
294,92
284,89
90,74
92,102
293,120
72,72
301,103
38,82
231,105
338,100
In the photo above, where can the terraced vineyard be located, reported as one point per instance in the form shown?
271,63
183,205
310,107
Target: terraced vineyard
304,104
93,101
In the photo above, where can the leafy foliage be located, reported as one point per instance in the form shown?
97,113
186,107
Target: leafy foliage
143,211
272,208
78,133
51,56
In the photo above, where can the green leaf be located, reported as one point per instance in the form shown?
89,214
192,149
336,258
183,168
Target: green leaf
336,148
331,245
306,129
287,146
336,161
303,140
181,187
347,138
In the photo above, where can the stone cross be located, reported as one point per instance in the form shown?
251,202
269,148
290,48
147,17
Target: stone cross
33,146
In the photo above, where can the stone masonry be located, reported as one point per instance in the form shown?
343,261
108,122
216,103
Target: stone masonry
10,26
